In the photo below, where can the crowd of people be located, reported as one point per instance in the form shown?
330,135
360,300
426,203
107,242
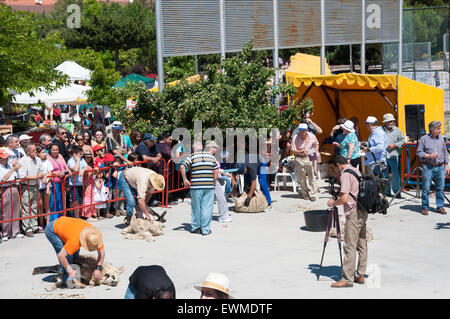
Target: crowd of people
87,164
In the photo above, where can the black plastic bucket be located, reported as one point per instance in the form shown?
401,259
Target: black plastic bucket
316,220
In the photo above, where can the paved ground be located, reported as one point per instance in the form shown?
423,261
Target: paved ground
268,255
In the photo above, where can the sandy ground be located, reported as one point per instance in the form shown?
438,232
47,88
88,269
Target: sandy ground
267,255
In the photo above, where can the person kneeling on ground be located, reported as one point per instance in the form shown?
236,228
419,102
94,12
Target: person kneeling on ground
67,235
355,225
150,282
215,286
144,182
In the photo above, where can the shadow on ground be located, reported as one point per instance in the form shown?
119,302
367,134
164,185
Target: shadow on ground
120,226
442,226
294,195
184,226
332,272
412,208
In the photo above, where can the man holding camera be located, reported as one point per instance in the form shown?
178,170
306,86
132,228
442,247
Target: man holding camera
376,146
355,225
432,150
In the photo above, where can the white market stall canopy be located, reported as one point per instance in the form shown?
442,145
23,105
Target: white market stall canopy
71,94
74,71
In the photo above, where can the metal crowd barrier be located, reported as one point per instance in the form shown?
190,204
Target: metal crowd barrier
89,176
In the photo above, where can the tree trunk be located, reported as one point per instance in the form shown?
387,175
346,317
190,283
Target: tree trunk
117,60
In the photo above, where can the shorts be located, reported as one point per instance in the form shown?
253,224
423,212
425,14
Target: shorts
76,194
42,191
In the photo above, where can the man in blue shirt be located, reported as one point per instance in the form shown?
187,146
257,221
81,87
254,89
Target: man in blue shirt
148,150
376,145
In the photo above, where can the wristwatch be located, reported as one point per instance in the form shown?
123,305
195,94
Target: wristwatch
99,267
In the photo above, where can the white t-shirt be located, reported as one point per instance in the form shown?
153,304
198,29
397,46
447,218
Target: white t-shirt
46,168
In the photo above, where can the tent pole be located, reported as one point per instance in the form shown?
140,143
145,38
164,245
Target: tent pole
384,97
306,92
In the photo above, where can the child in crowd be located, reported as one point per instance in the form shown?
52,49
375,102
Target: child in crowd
99,151
111,182
44,187
101,195
134,158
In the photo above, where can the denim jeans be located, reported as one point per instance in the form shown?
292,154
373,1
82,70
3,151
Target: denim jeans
130,293
393,164
58,244
128,192
262,177
202,205
436,174
228,187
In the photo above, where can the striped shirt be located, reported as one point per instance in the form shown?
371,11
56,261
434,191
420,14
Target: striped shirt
202,166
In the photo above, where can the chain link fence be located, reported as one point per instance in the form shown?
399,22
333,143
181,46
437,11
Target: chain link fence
425,48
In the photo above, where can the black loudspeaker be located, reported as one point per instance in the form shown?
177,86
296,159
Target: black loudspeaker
415,121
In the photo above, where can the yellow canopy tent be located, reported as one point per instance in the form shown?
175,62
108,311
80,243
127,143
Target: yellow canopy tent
306,64
191,79
358,95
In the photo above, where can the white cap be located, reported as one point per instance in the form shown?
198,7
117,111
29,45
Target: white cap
24,137
303,126
371,120
348,126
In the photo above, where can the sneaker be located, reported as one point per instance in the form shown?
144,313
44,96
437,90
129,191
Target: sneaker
29,234
268,209
155,203
207,233
313,198
187,200
228,220
19,235
6,238
196,231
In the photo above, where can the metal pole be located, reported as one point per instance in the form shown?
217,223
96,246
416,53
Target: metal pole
322,48
196,64
222,31
276,62
351,59
400,40
363,43
159,45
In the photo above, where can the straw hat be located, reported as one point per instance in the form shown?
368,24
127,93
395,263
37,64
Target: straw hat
388,117
216,281
91,238
348,126
157,181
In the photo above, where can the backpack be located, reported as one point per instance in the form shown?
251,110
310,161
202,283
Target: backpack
371,195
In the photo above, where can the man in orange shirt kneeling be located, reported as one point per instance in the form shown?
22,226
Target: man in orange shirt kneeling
67,235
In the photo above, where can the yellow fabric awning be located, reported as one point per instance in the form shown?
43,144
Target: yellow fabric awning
349,81
306,64
191,79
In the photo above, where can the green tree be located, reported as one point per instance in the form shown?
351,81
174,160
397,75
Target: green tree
112,27
26,60
241,96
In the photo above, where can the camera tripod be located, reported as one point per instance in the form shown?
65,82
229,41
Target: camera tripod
333,221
